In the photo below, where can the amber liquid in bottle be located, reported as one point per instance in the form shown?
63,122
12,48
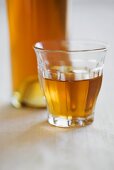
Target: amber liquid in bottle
71,98
31,21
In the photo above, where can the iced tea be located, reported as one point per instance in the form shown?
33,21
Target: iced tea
71,98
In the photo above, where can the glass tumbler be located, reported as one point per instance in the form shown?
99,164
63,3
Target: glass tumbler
70,73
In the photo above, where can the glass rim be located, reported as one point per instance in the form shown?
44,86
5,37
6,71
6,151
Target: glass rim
102,46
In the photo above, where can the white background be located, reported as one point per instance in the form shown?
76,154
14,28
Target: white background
5,73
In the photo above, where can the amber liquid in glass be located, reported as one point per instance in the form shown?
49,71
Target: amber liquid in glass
31,21
72,98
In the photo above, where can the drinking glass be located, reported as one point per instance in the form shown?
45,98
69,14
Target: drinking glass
70,73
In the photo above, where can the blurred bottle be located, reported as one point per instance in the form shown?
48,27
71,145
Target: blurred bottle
31,21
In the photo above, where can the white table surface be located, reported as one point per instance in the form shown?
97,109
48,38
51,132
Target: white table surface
28,142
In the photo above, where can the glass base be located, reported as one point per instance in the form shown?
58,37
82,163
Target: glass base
29,94
78,122
36,101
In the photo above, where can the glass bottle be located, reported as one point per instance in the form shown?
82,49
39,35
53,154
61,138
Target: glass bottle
31,21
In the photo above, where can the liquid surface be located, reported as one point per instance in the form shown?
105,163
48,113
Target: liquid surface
71,99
